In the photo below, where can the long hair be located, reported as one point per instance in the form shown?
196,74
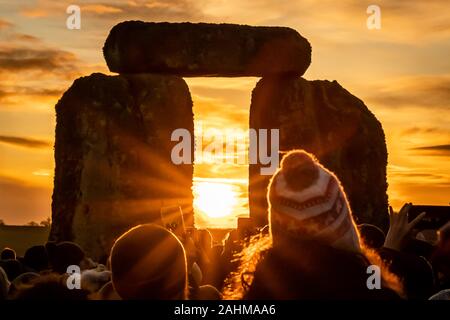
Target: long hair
238,282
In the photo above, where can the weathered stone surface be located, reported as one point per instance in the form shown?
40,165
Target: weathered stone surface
112,154
325,119
202,49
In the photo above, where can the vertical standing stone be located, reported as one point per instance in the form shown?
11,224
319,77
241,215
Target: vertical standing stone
325,119
112,155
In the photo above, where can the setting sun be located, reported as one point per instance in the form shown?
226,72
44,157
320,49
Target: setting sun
215,200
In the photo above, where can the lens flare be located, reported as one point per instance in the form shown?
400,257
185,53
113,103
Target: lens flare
214,199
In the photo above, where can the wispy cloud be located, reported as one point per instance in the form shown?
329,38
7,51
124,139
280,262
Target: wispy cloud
421,91
5,24
101,9
42,59
31,68
423,130
444,147
13,95
25,142
35,12
121,10
440,150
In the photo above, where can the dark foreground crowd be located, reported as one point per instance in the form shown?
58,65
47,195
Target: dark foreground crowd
311,249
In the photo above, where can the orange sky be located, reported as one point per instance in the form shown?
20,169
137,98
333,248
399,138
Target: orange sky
402,72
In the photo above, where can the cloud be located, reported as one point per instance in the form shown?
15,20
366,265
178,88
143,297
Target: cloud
161,10
26,37
419,176
101,9
337,22
444,147
217,113
440,150
15,94
30,68
5,24
35,13
420,130
22,52
42,59
120,10
25,142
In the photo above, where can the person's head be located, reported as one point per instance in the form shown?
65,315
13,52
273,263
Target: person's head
21,281
36,258
149,262
203,239
107,292
64,254
4,285
307,202
93,280
13,268
419,248
8,254
49,287
206,292
372,236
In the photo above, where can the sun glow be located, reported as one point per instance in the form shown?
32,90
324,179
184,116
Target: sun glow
213,199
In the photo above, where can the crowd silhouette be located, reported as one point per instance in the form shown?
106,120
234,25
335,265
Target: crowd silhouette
311,249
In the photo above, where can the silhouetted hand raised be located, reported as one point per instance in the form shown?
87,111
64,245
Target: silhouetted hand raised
399,227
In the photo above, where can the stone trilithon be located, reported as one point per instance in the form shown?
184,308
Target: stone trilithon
113,168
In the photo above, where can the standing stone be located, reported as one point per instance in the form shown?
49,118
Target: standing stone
112,155
325,119
205,49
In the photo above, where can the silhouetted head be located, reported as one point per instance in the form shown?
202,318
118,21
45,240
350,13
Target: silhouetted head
149,262
49,287
13,268
36,258
64,254
8,254
21,281
4,285
107,292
